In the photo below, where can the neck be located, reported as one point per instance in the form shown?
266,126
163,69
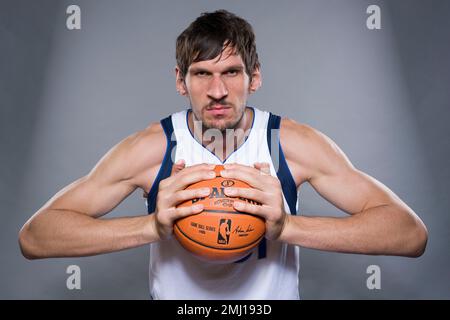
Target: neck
223,144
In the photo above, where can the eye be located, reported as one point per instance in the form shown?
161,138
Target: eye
201,73
232,72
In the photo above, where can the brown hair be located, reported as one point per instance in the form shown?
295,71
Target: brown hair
210,34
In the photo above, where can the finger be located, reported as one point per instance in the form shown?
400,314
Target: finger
182,212
247,193
256,210
190,175
178,166
189,194
257,167
249,175
237,165
263,167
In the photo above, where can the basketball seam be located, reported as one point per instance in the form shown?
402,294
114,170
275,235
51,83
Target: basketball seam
231,212
217,248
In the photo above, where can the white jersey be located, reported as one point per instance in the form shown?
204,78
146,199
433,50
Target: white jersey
271,270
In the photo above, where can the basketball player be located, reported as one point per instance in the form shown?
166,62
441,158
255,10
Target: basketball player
217,69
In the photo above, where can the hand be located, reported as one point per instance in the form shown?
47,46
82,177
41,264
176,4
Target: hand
266,189
171,193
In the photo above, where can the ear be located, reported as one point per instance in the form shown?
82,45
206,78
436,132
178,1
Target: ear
180,84
256,82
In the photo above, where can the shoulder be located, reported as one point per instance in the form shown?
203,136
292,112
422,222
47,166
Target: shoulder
145,153
293,133
148,145
308,150
145,145
135,156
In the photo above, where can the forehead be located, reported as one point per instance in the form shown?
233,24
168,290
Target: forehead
228,58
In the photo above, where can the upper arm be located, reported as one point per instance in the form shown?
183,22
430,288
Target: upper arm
325,166
114,177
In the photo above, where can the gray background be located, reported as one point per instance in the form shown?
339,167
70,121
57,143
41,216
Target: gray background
68,96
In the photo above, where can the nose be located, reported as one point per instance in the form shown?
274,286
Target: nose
217,88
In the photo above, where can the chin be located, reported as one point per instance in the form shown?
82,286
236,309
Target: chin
221,125
225,123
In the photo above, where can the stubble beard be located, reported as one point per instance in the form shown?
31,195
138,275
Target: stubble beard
222,126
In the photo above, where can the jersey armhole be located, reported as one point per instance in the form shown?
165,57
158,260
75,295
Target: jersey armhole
166,165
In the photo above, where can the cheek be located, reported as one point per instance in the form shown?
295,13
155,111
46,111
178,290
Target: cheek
238,88
241,94
196,90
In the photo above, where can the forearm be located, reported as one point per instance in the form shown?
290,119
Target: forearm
63,233
380,230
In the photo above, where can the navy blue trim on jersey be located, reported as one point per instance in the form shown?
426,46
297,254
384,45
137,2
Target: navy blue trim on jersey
283,173
166,165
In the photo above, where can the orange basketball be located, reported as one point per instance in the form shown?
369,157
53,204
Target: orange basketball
219,233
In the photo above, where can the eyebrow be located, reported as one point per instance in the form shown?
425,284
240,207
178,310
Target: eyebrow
233,67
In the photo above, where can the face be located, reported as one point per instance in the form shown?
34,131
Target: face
218,90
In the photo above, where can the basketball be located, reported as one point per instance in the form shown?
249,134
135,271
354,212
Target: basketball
219,233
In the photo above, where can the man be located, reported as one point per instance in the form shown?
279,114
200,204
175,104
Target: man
217,69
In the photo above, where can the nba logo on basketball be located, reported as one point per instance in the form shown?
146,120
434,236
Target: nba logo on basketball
219,234
224,231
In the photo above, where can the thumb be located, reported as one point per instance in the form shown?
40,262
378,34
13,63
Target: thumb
178,166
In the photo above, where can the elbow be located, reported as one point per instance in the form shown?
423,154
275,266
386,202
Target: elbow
419,239
27,244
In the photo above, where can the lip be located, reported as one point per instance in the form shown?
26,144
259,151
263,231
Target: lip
218,110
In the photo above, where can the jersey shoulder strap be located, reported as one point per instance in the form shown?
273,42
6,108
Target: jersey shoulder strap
166,165
279,162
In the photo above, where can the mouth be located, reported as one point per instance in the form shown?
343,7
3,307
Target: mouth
218,110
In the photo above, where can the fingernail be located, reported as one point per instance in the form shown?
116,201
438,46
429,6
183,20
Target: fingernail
204,190
198,207
223,173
